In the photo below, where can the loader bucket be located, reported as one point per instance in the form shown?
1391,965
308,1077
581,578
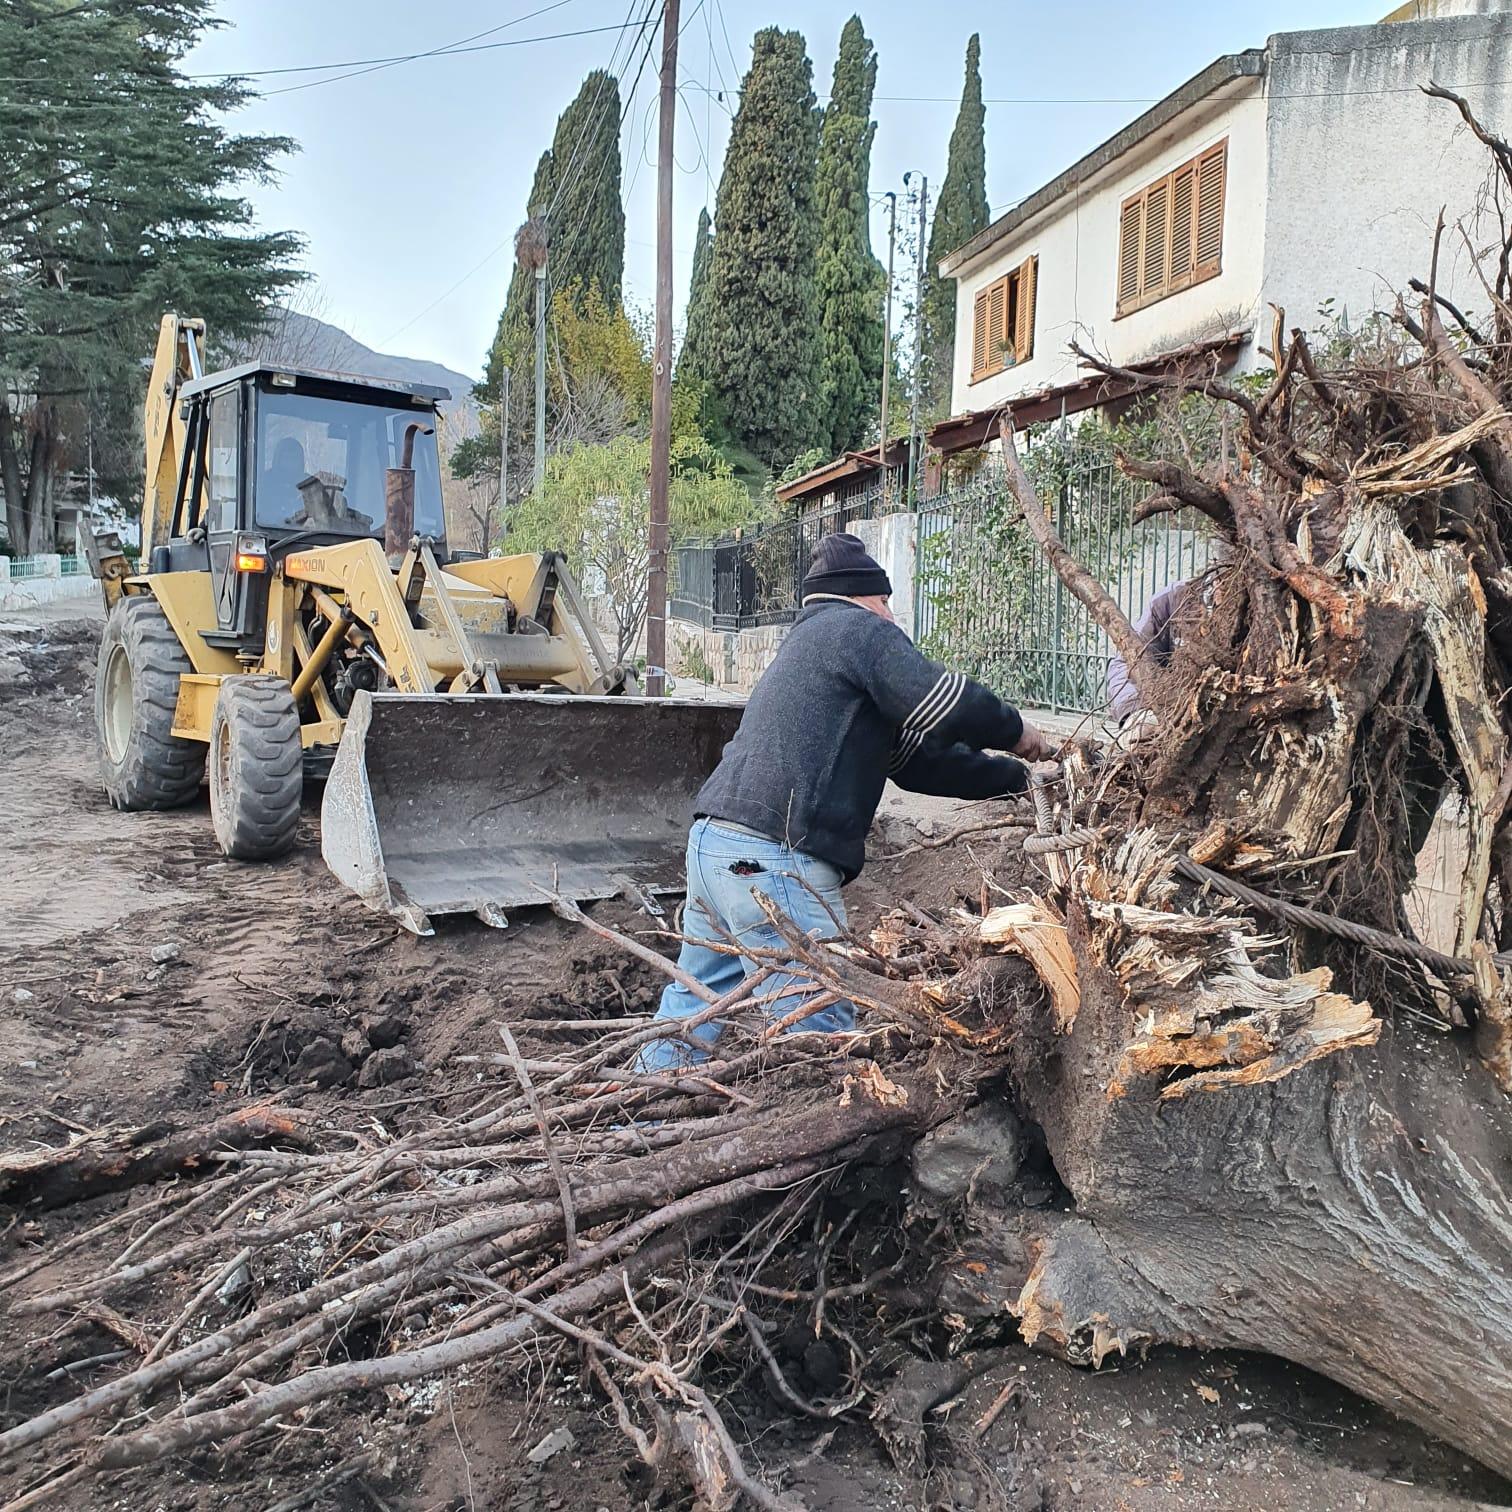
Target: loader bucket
475,803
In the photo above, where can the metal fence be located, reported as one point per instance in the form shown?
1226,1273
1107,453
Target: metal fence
986,601
755,579
989,604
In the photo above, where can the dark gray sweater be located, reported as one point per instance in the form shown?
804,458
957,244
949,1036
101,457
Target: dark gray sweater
848,702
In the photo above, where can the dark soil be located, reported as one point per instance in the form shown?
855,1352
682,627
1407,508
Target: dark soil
143,977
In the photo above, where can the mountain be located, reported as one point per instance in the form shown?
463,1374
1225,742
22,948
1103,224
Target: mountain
303,341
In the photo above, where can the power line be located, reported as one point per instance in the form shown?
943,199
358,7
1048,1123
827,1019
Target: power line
494,251
1321,94
734,63
554,262
460,45
453,50
568,171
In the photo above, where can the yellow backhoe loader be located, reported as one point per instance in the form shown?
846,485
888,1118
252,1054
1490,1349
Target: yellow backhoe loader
296,614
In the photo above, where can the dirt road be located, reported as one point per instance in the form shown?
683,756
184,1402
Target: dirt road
145,979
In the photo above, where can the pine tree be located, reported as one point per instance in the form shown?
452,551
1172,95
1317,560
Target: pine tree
120,198
691,360
763,349
850,280
960,212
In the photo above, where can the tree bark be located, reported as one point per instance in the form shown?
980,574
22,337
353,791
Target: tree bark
10,476
115,1159
1262,1166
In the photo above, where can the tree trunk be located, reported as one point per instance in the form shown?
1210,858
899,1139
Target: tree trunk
115,1159
1253,1163
10,478
1278,1139
36,510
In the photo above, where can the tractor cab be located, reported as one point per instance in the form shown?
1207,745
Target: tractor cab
277,457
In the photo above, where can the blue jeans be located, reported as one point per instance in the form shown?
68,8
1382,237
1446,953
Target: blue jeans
726,868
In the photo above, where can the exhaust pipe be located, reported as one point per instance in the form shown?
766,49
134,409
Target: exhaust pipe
399,497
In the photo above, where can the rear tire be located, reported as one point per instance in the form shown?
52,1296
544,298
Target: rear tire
256,768
143,764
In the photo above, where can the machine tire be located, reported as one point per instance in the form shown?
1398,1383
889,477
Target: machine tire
256,768
143,764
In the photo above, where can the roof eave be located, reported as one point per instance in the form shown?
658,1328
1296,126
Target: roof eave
1245,65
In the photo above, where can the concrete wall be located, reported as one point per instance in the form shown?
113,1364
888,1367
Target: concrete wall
1361,161
1076,240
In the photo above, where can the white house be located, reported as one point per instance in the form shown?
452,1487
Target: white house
1309,171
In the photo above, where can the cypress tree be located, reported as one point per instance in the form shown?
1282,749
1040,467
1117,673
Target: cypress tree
960,212
763,348
690,360
585,216
849,277
577,188
519,308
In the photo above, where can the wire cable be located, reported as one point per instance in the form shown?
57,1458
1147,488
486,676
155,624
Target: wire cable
459,46
489,256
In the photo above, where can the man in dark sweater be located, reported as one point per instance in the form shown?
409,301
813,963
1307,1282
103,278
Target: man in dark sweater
847,702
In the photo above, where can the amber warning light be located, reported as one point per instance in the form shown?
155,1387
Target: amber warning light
251,554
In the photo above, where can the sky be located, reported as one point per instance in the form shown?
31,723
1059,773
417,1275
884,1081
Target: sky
410,178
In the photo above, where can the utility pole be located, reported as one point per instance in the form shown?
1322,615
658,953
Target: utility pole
503,453
540,378
918,362
661,373
892,240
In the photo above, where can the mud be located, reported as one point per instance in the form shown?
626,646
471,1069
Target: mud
144,977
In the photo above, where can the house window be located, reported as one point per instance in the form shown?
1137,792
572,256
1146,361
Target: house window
1170,234
1002,327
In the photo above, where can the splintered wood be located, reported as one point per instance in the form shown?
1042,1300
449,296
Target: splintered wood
1031,929
1205,1017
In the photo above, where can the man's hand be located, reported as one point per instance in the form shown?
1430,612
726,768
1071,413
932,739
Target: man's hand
1033,746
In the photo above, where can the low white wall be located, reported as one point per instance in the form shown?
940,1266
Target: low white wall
49,588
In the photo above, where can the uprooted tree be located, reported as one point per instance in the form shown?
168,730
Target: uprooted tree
1277,1119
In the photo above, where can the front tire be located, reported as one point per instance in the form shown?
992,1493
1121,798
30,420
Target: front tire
256,768
143,764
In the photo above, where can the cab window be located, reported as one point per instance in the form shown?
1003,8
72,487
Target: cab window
321,464
222,461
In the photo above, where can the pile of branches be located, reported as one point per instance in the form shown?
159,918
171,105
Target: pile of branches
583,1201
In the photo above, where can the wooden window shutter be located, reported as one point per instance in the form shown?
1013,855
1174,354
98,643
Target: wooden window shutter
1130,223
1183,181
1023,333
979,333
1154,262
997,326
1170,234
1212,170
